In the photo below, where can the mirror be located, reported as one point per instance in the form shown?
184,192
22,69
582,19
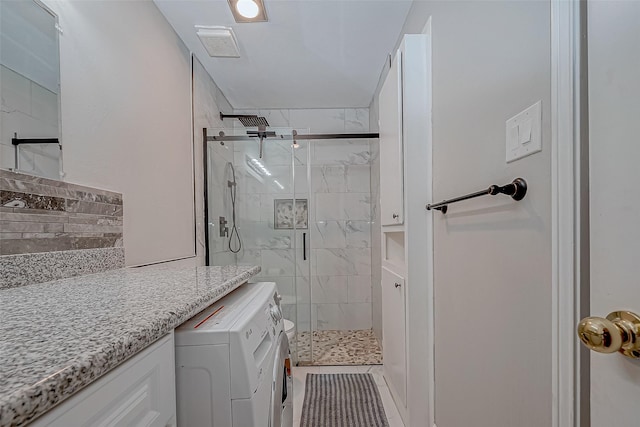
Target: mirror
30,89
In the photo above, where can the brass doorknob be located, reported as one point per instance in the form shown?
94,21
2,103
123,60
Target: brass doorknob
620,331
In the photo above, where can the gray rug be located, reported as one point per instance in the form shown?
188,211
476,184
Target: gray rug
342,400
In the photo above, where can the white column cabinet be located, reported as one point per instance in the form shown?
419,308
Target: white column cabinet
391,153
407,233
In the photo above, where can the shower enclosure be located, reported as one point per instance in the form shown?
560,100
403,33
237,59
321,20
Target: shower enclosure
265,198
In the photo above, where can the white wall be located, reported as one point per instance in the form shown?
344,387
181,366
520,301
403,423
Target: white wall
126,121
492,272
492,277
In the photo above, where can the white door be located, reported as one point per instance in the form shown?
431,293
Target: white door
614,180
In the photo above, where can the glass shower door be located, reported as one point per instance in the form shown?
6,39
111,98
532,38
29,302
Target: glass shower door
302,245
258,208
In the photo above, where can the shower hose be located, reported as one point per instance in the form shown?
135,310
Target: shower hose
234,236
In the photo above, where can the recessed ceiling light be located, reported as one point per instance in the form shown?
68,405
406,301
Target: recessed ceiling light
248,10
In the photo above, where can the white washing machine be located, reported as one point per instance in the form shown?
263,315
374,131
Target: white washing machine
232,363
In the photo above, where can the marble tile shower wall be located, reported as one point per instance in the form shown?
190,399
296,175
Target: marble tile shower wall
220,205
333,286
208,101
51,229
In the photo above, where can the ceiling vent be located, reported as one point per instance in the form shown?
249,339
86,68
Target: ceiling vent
218,41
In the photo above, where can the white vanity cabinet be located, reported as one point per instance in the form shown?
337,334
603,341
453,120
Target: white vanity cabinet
391,152
140,392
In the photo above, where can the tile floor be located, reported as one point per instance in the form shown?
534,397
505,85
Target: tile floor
349,347
300,376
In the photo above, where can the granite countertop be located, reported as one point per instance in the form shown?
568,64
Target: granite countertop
58,337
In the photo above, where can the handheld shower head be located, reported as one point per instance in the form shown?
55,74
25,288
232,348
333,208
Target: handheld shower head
235,244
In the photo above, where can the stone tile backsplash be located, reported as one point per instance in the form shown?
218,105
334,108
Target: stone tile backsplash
13,199
43,215
53,230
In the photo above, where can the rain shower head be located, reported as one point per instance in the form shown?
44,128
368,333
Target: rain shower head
251,120
247,120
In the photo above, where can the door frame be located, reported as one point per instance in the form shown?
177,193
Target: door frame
567,198
430,280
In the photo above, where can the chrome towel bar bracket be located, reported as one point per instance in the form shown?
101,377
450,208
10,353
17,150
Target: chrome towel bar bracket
516,189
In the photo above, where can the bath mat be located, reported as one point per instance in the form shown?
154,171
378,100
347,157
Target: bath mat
342,400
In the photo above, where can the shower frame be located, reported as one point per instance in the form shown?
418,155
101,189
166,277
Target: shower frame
222,137
252,137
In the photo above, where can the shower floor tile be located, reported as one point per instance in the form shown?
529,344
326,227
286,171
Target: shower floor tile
339,348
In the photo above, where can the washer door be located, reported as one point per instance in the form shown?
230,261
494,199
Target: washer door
280,388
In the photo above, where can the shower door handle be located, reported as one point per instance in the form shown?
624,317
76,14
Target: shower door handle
304,246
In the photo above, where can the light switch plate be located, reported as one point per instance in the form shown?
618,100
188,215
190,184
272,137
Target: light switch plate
524,133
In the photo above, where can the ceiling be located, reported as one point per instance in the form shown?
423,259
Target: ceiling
311,53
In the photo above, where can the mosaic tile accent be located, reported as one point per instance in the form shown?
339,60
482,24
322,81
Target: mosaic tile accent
27,269
355,347
19,182
12,199
43,215
58,337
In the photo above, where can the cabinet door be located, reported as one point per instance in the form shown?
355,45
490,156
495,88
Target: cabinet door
139,393
391,153
394,334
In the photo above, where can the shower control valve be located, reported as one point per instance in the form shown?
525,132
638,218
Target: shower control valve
224,230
